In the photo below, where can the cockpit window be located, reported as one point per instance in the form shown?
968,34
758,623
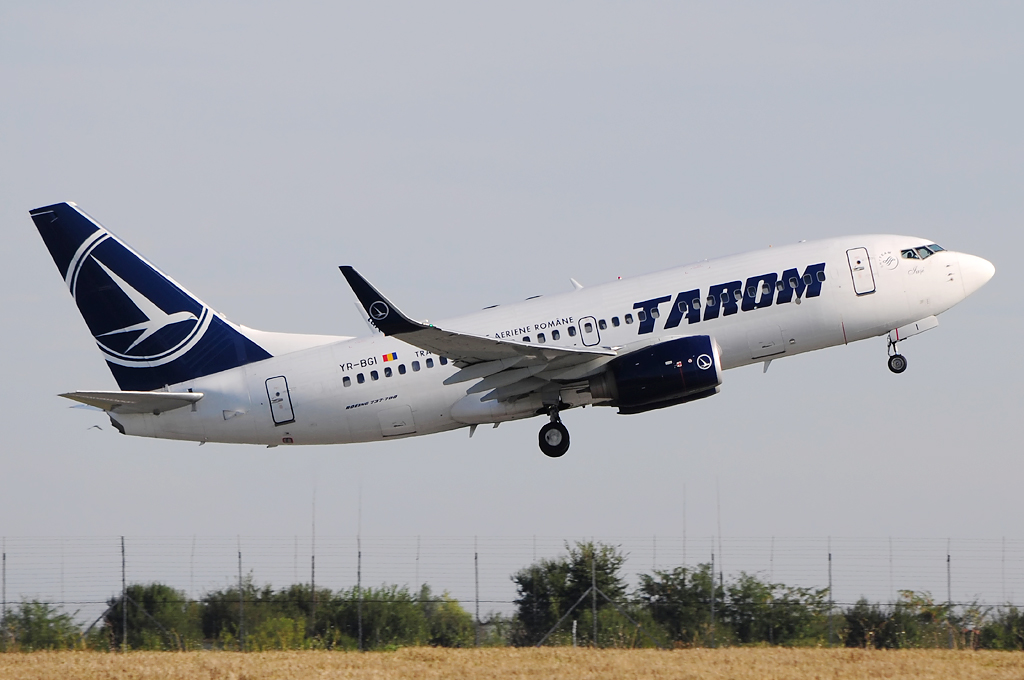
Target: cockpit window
922,252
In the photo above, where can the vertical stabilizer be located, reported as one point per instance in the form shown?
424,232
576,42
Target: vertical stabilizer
151,331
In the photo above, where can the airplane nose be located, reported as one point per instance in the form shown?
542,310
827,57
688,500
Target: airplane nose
975,272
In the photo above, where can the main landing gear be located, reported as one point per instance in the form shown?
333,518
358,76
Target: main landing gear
897,362
554,438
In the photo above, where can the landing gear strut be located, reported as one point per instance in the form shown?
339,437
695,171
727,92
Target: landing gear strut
554,438
897,362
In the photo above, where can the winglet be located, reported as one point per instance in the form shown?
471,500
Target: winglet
382,312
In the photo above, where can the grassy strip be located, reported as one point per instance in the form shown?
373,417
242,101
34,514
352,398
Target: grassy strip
585,664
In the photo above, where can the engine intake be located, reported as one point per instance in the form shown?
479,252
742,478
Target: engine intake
669,373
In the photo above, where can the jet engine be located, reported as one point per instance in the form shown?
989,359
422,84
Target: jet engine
668,373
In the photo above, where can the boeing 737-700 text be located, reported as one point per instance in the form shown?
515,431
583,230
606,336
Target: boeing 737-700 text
649,342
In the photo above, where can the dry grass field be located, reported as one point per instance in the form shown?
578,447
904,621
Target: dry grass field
582,664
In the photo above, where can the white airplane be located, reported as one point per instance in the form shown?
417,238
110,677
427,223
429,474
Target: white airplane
645,343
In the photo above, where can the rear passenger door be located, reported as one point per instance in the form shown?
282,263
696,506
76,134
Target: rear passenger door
280,400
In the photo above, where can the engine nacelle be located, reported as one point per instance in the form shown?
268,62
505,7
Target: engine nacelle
665,374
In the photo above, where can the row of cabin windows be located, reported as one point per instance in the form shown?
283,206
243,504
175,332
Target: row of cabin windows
555,335
388,372
641,315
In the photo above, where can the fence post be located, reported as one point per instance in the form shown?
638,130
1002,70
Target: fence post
3,617
593,586
949,595
124,604
476,576
712,595
241,601
831,599
359,586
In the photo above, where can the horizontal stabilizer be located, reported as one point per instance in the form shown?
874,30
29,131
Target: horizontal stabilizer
136,402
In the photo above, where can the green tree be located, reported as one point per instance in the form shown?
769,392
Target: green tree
448,624
759,611
277,632
223,615
1004,630
548,588
35,625
391,617
159,617
679,600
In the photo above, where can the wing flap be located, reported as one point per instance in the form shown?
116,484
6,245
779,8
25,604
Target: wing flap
135,402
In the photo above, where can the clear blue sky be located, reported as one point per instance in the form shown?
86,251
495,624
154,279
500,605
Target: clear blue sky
463,155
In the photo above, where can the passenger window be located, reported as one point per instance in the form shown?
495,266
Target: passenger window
711,301
792,282
765,288
821,276
387,372
615,321
655,313
780,285
444,361
526,338
572,331
641,316
541,338
588,327
401,369
751,291
555,335
696,303
602,324
808,280
415,366
682,307
738,294
909,255
629,318
374,376
430,363
725,296
346,381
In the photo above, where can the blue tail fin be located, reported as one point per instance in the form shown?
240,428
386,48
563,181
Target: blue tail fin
152,332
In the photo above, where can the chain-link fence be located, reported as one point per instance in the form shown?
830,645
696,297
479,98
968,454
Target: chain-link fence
84,576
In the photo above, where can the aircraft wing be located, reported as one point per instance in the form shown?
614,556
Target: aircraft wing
507,367
135,402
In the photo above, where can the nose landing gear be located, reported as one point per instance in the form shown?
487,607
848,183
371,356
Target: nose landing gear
897,362
554,437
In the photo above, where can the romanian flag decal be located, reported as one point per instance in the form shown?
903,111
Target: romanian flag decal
391,357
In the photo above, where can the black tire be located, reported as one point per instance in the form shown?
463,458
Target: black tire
554,440
897,363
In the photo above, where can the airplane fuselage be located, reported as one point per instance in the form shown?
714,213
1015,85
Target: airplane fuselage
758,306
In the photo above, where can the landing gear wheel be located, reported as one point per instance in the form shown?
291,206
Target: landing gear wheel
554,440
897,363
